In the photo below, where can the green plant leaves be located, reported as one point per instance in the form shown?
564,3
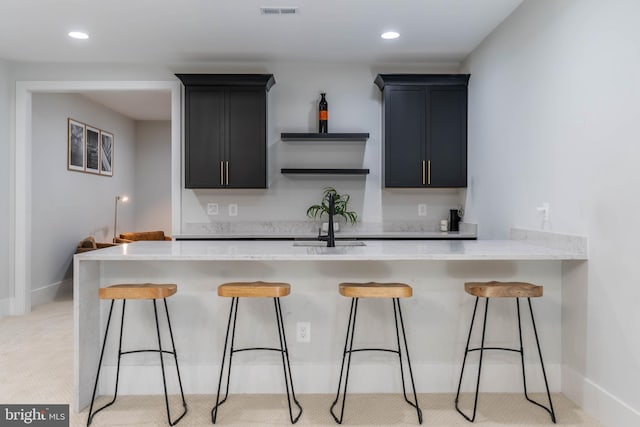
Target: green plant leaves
341,202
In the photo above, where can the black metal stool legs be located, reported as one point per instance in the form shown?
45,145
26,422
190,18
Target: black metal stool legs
286,367
283,349
351,326
121,353
233,313
520,350
544,374
160,352
464,360
396,303
397,312
104,343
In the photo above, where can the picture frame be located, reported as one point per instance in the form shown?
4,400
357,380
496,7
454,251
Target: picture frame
92,156
106,153
76,134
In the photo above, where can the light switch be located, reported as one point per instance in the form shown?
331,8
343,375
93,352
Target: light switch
422,209
233,209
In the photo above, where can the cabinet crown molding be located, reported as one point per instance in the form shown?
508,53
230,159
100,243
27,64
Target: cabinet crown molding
256,80
421,79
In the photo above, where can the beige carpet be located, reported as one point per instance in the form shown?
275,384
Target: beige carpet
36,367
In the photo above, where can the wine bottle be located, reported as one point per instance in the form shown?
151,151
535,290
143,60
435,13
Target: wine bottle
323,115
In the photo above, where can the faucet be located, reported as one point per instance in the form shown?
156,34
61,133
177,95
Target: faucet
330,237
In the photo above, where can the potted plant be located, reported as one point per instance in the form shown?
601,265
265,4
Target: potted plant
341,202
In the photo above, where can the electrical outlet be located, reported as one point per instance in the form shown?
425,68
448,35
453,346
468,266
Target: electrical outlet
233,209
303,332
212,209
422,209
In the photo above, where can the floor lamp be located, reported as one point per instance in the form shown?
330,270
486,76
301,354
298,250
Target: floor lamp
115,220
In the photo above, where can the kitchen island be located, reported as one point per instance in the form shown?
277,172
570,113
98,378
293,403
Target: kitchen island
436,317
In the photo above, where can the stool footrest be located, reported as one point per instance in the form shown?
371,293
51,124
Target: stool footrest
257,348
374,349
147,351
495,348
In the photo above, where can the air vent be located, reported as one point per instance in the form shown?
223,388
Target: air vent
278,10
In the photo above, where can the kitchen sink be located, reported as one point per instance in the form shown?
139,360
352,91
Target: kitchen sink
319,243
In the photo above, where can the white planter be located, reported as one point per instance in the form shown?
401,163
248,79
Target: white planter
325,227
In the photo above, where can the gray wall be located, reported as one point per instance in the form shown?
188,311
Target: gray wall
554,118
6,290
152,180
67,205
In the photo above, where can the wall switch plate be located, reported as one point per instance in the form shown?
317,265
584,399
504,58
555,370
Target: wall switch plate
233,209
303,332
422,209
212,209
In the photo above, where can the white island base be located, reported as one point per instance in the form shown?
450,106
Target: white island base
436,317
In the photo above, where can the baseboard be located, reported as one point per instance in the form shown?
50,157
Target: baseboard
598,402
48,293
312,378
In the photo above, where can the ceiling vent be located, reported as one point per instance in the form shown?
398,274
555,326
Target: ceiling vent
279,10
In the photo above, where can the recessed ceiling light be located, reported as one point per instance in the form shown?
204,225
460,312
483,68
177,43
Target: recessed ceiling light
78,35
390,35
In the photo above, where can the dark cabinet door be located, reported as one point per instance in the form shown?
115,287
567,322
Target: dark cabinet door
246,139
446,140
205,137
404,136
425,129
226,130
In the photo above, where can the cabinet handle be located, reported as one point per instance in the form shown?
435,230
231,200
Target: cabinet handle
429,172
221,172
423,172
227,171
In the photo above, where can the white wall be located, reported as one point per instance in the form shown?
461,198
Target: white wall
354,106
553,118
5,183
152,178
67,205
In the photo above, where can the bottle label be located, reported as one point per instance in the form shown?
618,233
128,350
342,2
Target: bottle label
324,115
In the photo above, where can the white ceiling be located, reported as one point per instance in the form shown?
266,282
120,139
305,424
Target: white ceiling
179,32
197,31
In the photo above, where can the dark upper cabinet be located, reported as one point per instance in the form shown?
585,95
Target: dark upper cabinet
226,130
424,130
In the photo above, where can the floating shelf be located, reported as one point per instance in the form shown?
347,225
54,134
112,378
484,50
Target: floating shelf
322,171
324,136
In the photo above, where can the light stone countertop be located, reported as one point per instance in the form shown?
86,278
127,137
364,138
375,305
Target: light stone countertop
382,250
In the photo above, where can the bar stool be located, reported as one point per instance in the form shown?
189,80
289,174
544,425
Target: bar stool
355,291
259,289
515,290
145,291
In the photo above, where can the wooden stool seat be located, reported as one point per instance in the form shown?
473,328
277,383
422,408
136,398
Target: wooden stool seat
138,291
503,289
254,289
375,290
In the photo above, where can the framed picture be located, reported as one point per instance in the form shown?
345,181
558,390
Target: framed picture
93,150
75,145
106,153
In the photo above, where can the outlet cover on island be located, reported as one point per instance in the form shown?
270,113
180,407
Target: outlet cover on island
233,209
422,209
212,209
303,332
